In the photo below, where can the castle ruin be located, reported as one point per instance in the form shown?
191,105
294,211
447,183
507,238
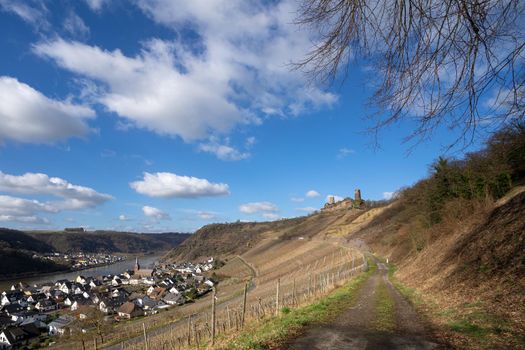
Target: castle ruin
347,203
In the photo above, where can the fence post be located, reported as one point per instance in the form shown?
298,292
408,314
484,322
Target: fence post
213,316
293,294
95,342
145,336
244,305
189,330
277,297
229,317
309,285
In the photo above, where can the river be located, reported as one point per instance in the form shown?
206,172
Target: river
146,261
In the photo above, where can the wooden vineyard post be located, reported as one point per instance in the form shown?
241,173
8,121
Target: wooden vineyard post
294,303
244,305
213,316
145,336
309,285
229,317
277,297
189,330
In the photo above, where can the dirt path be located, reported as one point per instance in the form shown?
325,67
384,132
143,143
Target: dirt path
356,328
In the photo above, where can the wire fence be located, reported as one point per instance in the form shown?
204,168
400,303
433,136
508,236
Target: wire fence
230,316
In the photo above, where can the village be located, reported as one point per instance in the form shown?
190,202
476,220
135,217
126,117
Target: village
36,315
79,261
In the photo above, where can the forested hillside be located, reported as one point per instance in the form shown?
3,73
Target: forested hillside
109,241
17,248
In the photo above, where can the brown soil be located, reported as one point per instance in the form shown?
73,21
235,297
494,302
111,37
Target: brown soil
353,328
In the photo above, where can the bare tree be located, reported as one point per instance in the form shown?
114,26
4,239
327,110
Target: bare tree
458,63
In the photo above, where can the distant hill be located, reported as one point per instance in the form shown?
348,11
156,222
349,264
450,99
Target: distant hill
21,263
18,247
19,240
108,241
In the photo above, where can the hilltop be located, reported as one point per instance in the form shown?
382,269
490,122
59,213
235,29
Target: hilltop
108,241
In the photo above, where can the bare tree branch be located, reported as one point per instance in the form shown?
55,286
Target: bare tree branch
453,63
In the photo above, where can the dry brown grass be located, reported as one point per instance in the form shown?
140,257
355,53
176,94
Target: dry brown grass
470,270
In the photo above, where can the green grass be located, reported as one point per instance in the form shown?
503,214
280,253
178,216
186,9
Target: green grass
384,310
277,329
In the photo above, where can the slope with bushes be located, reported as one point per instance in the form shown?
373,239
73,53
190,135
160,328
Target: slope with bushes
458,239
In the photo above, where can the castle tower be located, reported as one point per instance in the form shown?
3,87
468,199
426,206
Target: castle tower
331,200
357,195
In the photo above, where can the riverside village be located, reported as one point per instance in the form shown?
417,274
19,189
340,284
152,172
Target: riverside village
32,315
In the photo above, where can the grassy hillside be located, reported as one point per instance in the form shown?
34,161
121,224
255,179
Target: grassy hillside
237,238
458,239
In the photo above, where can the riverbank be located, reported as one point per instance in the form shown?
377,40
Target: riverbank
105,269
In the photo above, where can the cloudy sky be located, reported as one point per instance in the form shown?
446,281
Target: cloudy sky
156,115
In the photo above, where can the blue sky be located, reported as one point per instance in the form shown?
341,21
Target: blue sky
168,115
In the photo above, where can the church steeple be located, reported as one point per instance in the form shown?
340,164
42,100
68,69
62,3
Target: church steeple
137,266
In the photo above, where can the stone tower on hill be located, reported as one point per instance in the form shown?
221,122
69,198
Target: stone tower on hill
357,195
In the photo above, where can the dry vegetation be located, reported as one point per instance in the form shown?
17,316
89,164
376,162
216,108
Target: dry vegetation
304,271
458,239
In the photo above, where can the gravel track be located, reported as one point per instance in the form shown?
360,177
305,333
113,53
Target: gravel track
353,330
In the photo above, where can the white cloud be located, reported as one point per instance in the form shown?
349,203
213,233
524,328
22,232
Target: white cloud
74,196
223,151
13,209
33,15
206,215
123,217
71,197
389,195
306,209
255,207
312,194
297,199
271,216
20,207
345,152
96,5
28,116
250,141
230,76
75,26
169,185
24,219
155,213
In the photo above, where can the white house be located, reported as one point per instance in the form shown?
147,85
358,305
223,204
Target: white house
209,283
60,325
81,280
